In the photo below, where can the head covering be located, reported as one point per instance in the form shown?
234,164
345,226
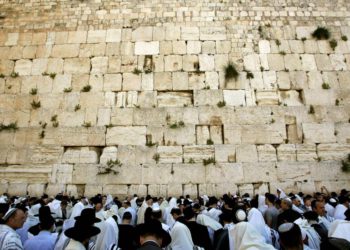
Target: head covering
340,229
87,216
154,227
181,237
9,213
256,219
45,216
81,231
207,221
246,237
108,236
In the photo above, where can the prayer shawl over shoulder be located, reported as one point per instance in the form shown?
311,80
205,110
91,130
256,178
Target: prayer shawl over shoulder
181,238
9,239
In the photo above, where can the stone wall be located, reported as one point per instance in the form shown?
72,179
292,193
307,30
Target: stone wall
129,97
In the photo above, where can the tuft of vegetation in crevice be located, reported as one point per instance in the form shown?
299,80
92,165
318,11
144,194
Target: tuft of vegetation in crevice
333,43
33,91
250,75
11,126
14,75
326,85
86,88
311,110
221,104
136,71
67,90
346,164
210,142
156,157
208,161
231,72
175,125
109,168
35,104
321,33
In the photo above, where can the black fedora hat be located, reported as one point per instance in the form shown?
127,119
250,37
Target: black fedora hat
44,211
154,227
87,216
81,231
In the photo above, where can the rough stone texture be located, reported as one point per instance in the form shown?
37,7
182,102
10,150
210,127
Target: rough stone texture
157,74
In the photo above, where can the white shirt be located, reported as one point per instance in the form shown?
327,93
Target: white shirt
9,239
43,241
75,245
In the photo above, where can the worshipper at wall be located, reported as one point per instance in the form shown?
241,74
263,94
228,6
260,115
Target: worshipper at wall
156,214
271,213
221,238
313,220
23,231
287,213
330,205
298,204
97,202
307,202
167,217
319,208
199,233
128,208
256,219
152,236
290,236
180,234
43,211
45,240
80,235
341,207
311,239
210,223
141,212
212,210
244,236
78,207
12,220
127,233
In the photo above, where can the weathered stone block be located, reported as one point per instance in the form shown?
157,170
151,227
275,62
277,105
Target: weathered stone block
286,152
266,153
134,135
293,171
197,153
180,136
77,36
207,97
264,47
292,62
263,134
267,172
194,47
113,35
234,97
163,81
142,34
146,48
131,81
212,33
319,97
23,67
96,36
252,62
206,62
77,65
179,47
333,152
267,97
174,99
276,62
189,33
65,50
172,63
246,153
318,133
170,154
225,153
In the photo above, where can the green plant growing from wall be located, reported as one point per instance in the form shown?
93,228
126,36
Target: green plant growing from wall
35,104
14,75
9,127
67,90
77,107
208,161
191,161
326,85
42,134
175,125
221,104
311,110
210,142
2,75
333,43
156,157
136,71
321,33
87,124
283,53
346,164
86,88
231,72
278,42
52,75
344,38
109,168
250,75
33,91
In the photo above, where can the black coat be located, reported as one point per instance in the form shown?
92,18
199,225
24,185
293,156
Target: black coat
149,245
200,235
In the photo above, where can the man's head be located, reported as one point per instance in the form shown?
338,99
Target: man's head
295,201
14,218
176,213
270,199
318,207
127,218
152,230
286,204
290,236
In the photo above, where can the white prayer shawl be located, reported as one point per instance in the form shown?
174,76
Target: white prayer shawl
300,199
314,239
63,240
339,212
112,211
109,202
296,209
340,229
244,236
326,221
207,221
54,205
167,217
141,213
133,203
121,211
133,213
262,205
101,215
256,219
214,213
74,245
330,209
283,194
181,238
76,211
108,235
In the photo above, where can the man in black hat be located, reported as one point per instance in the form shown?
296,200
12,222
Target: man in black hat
80,235
152,236
45,240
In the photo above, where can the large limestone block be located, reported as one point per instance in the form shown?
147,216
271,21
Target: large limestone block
319,97
321,171
202,134
179,47
80,155
149,116
108,153
286,152
39,66
147,99
304,31
174,99
234,97
189,33
212,33
266,152
259,172
196,80
116,190
246,153
173,63
264,134
338,62
147,48
77,36
333,152
23,67
134,135
225,173
276,62
18,188
292,62
323,62
318,133
180,81
197,153
206,62
99,65
65,50
207,97
290,98
45,154
194,47
212,79
185,135
298,80
293,171
103,116
12,39
225,153
188,173
96,36
315,80
142,34
252,62
36,189
189,62
306,152
113,35
296,46
170,154
343,132
131,81
112,82
91,190
308,62
77,65
80,136
233,134
264,47
267,97
147,81
6,66
62,173
163,81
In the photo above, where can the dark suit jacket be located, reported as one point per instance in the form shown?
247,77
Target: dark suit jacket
149,245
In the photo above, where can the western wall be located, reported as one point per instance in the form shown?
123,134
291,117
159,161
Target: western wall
124,97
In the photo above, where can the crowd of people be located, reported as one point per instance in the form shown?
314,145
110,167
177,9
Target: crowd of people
270,221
